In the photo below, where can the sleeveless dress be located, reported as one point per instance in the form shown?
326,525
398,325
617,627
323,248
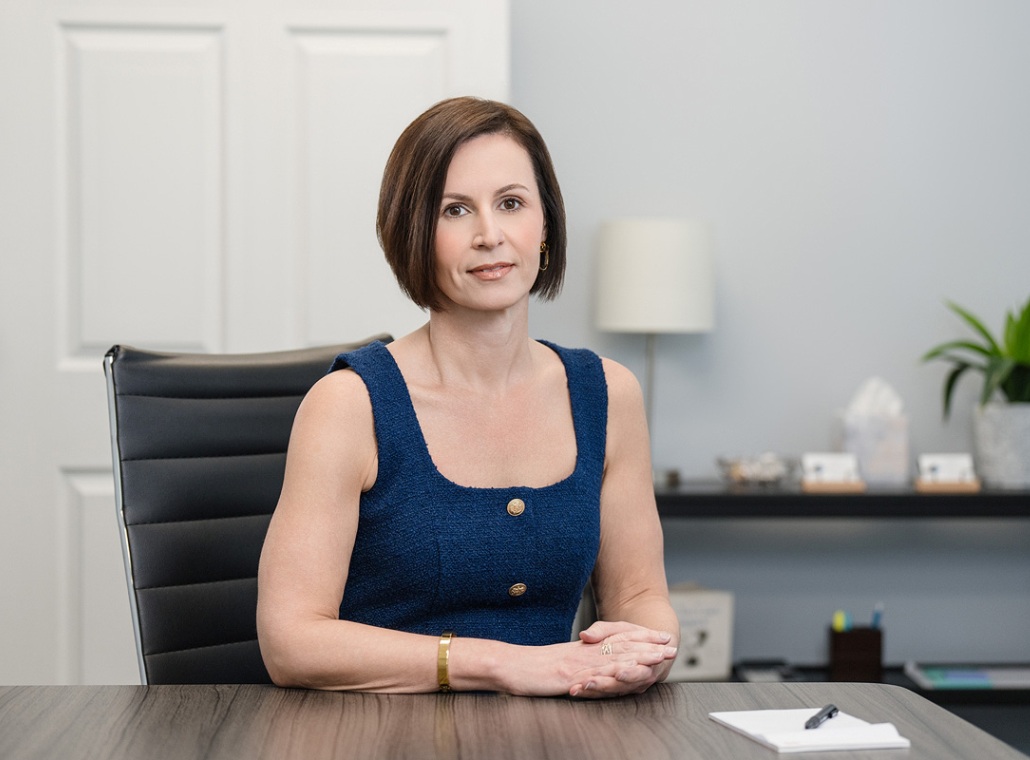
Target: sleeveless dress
430,555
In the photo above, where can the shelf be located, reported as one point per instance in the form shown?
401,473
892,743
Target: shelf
895,676
716,499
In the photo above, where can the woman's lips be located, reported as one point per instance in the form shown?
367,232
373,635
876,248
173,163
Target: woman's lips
492,271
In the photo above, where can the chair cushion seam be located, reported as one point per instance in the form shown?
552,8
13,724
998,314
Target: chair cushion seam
216,456
195,583
195,649
234,397
197,519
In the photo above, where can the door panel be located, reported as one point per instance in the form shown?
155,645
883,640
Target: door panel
141,116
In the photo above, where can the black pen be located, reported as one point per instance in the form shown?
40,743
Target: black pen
822,716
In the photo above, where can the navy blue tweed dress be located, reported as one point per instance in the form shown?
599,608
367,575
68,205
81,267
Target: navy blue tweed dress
430,555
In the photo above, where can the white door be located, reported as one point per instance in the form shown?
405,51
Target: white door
185,176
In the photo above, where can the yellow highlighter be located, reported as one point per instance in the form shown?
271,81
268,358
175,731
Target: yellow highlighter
841,621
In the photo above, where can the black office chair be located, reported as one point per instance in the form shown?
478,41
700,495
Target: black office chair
199,445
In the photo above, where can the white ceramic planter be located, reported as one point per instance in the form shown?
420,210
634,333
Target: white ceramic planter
1001,444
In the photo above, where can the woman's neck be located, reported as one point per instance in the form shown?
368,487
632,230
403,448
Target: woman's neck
478,351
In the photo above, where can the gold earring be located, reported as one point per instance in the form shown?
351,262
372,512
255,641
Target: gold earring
545,251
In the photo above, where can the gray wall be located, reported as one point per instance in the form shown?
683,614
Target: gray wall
861,161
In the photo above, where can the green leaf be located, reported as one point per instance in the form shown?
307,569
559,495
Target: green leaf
942,350
997,372
1017,336
970,363
949,385
977,325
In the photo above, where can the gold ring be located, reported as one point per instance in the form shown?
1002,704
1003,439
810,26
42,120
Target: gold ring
606,648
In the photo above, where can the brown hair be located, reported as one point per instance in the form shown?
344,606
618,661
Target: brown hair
413,185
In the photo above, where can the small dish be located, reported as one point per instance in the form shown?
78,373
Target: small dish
765,469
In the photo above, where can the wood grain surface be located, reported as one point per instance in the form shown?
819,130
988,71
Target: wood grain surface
231,722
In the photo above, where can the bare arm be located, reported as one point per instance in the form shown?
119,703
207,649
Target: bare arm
629,580
304,562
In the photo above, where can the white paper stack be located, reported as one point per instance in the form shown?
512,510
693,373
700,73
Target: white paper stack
784,730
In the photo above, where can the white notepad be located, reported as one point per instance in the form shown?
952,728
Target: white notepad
784,730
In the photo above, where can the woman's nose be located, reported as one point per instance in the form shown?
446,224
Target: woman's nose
489,234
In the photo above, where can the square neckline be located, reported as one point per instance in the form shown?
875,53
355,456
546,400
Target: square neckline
427,457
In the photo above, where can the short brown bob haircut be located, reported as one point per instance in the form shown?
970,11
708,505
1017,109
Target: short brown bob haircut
413,185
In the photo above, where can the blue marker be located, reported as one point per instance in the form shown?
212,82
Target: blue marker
877,615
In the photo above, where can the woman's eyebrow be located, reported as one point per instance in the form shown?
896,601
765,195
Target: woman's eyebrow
454,196
512,186
457,197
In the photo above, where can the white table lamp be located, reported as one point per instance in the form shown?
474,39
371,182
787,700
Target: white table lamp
655,276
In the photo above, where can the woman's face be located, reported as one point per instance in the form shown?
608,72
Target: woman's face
490,226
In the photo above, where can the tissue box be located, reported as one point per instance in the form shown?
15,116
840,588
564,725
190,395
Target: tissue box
874,428
706,633
879,443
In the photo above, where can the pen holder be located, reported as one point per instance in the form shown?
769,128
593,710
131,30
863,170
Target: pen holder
856,655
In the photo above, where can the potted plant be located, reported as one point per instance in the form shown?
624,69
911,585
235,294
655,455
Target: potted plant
1001,421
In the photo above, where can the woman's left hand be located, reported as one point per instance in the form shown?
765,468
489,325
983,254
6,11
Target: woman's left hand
631,667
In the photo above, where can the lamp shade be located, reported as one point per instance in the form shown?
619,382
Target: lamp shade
655,276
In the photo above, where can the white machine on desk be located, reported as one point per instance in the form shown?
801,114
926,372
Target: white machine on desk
706,633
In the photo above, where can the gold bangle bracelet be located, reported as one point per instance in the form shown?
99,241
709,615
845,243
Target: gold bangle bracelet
443,675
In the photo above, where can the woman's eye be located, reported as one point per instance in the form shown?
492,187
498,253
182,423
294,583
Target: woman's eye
511,204
454,211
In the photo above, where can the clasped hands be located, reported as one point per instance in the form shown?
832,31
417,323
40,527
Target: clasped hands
620,658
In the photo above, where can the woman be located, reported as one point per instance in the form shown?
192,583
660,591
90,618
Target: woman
448,497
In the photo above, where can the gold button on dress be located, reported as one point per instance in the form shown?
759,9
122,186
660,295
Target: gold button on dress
516,507
517,590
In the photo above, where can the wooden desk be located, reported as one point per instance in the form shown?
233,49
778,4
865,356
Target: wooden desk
229,722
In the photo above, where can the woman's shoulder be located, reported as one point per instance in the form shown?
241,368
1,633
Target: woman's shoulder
625,397
618,374
333,433
340,394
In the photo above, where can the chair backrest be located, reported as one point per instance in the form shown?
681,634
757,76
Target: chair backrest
199,445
